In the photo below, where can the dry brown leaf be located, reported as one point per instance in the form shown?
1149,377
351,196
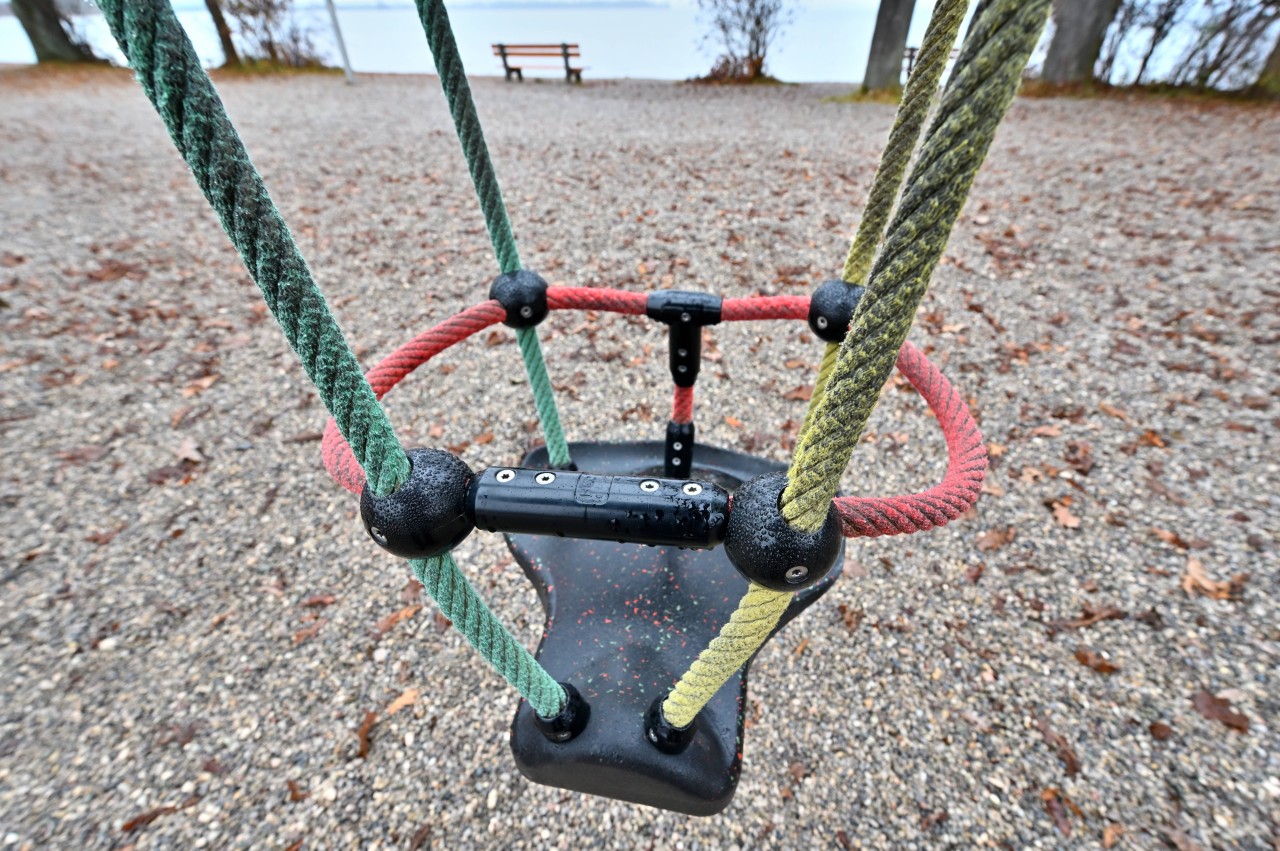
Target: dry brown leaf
1196,581
803,393
1160,731
362,734
318,601
1062,513
385,625
1171,538
1112,410
1056,803
295,792
995,450
408,697
189,450
733,422
1047,431
1111,834
309,632
195,388
1218,709
994,539
1088,617
1060,746
1095,660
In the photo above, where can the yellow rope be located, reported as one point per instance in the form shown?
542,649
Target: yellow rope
757,614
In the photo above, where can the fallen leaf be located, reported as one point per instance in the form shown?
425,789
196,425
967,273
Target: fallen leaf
385,625
1112,410
1171,538
309,632
189,450
362,734
1111,834
483,438
1160,731
852,617
82,454
295,792
798,771
1218,709
304,437
195,388
994,539
408,697
1056,803
1196,581
803,393
318,601
974,572
1178,840
441,623
1095,660
1047,431
733,422
1079,455
1060,746
1088,617
1062,513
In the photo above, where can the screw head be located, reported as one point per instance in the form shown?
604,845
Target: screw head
526,311
648,486
797,574
691,489
545,478
685,317
675,462
822,322
378,536
505,476
677,445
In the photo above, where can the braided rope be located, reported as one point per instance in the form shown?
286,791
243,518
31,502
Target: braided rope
457,92
921,88
749,626
166,66
460,603
682,405
976,98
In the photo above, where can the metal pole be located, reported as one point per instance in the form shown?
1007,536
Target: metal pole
342,45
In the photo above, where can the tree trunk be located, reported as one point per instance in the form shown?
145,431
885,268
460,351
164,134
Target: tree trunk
1268,82
1079,29
229,54
884,65
48,33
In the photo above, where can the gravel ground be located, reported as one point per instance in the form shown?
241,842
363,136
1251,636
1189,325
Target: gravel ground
193,625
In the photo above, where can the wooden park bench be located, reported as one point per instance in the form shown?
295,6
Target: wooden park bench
521,52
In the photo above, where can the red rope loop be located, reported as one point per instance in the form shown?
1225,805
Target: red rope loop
966,464
860,516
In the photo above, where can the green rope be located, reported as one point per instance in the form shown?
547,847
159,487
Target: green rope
458,600
165,64
980,90
457,92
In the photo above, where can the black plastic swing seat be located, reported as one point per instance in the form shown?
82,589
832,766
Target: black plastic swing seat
623,622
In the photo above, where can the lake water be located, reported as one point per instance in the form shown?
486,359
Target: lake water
825,42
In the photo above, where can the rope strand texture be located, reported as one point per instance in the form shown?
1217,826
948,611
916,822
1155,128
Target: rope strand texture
172,78
461,604
457,92
921,88
976,98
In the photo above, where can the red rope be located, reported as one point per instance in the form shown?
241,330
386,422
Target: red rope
682,406
966,464
861,516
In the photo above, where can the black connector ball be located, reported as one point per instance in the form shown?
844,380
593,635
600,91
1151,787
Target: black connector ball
831,307
427,515
523,294
571,721
765,548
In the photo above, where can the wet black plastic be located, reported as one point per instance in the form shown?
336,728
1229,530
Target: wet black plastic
651,510
570,721
523,294
678,454
622,624
831,307
427,515
684,313
664,735
767,550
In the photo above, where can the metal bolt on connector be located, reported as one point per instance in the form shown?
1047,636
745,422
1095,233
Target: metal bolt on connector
526,312
677,446
692,489
648,486
378,536
545,478
685,317
797,573
505,476
822,322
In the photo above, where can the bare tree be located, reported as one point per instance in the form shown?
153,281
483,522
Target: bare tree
1268,82
230,55
1227,51
271,34
744,29
884,64
50,33
1079,29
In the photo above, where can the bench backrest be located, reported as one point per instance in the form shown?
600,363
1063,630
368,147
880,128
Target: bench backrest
536,50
